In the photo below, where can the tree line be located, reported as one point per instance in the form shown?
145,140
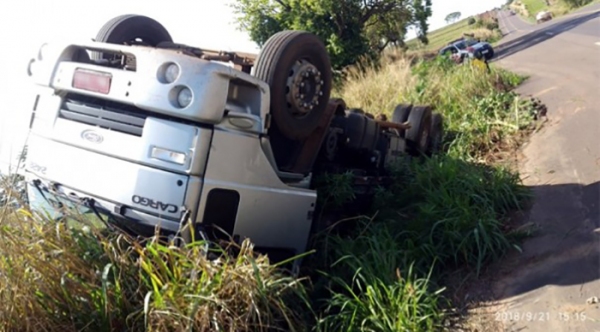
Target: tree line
351,29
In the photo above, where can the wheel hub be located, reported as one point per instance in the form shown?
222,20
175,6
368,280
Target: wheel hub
304,87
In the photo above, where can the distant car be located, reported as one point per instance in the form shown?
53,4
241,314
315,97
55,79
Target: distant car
512,12
543,16
463,48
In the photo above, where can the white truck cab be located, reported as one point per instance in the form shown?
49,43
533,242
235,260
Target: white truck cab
160,134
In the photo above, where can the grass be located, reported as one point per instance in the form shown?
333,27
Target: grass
482,26
440,37
384,272
529,8
480,109
59,278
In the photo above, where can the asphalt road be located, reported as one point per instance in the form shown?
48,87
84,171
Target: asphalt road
547,287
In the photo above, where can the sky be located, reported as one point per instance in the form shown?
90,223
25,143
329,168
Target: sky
26,24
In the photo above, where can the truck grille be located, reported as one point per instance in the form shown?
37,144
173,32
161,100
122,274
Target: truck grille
104,114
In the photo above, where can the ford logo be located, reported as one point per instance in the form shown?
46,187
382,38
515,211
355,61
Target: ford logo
92,136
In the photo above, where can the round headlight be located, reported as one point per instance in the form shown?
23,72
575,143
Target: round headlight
184,97
171,73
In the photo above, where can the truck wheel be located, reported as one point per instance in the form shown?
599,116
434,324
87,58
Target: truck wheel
131,29
436,134
400,115
296,66
418,135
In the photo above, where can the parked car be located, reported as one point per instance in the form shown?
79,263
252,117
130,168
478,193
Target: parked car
543,16
463,48
512,12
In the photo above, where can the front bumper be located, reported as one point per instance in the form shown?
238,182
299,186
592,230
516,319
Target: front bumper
52,200
62,178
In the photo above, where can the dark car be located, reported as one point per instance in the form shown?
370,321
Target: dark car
480,50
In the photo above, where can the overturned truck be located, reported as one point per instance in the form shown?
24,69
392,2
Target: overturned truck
146,132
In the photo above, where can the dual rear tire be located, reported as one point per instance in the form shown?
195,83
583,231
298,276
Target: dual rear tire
426,128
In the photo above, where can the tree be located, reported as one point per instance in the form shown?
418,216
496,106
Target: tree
349,28
453,17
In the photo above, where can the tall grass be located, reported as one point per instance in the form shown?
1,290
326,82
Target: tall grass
57,278
480,109
442,213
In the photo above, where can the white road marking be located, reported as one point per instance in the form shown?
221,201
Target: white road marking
550,33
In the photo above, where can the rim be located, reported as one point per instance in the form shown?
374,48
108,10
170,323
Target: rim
304,88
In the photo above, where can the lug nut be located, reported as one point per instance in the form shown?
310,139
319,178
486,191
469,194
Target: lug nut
302,84
320,93
301,96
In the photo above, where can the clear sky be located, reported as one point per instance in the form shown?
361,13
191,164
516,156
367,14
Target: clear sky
26,24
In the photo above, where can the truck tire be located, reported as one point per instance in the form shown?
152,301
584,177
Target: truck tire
400,115
436,134
296,66
126,29
418,135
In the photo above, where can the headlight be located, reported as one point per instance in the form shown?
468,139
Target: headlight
171,73
168,155
168,72
184,97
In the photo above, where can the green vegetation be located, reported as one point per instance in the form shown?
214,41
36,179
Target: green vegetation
484,26
385,272
351,29
441,37
529,8
58,278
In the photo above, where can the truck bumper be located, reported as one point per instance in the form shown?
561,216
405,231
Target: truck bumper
62,177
